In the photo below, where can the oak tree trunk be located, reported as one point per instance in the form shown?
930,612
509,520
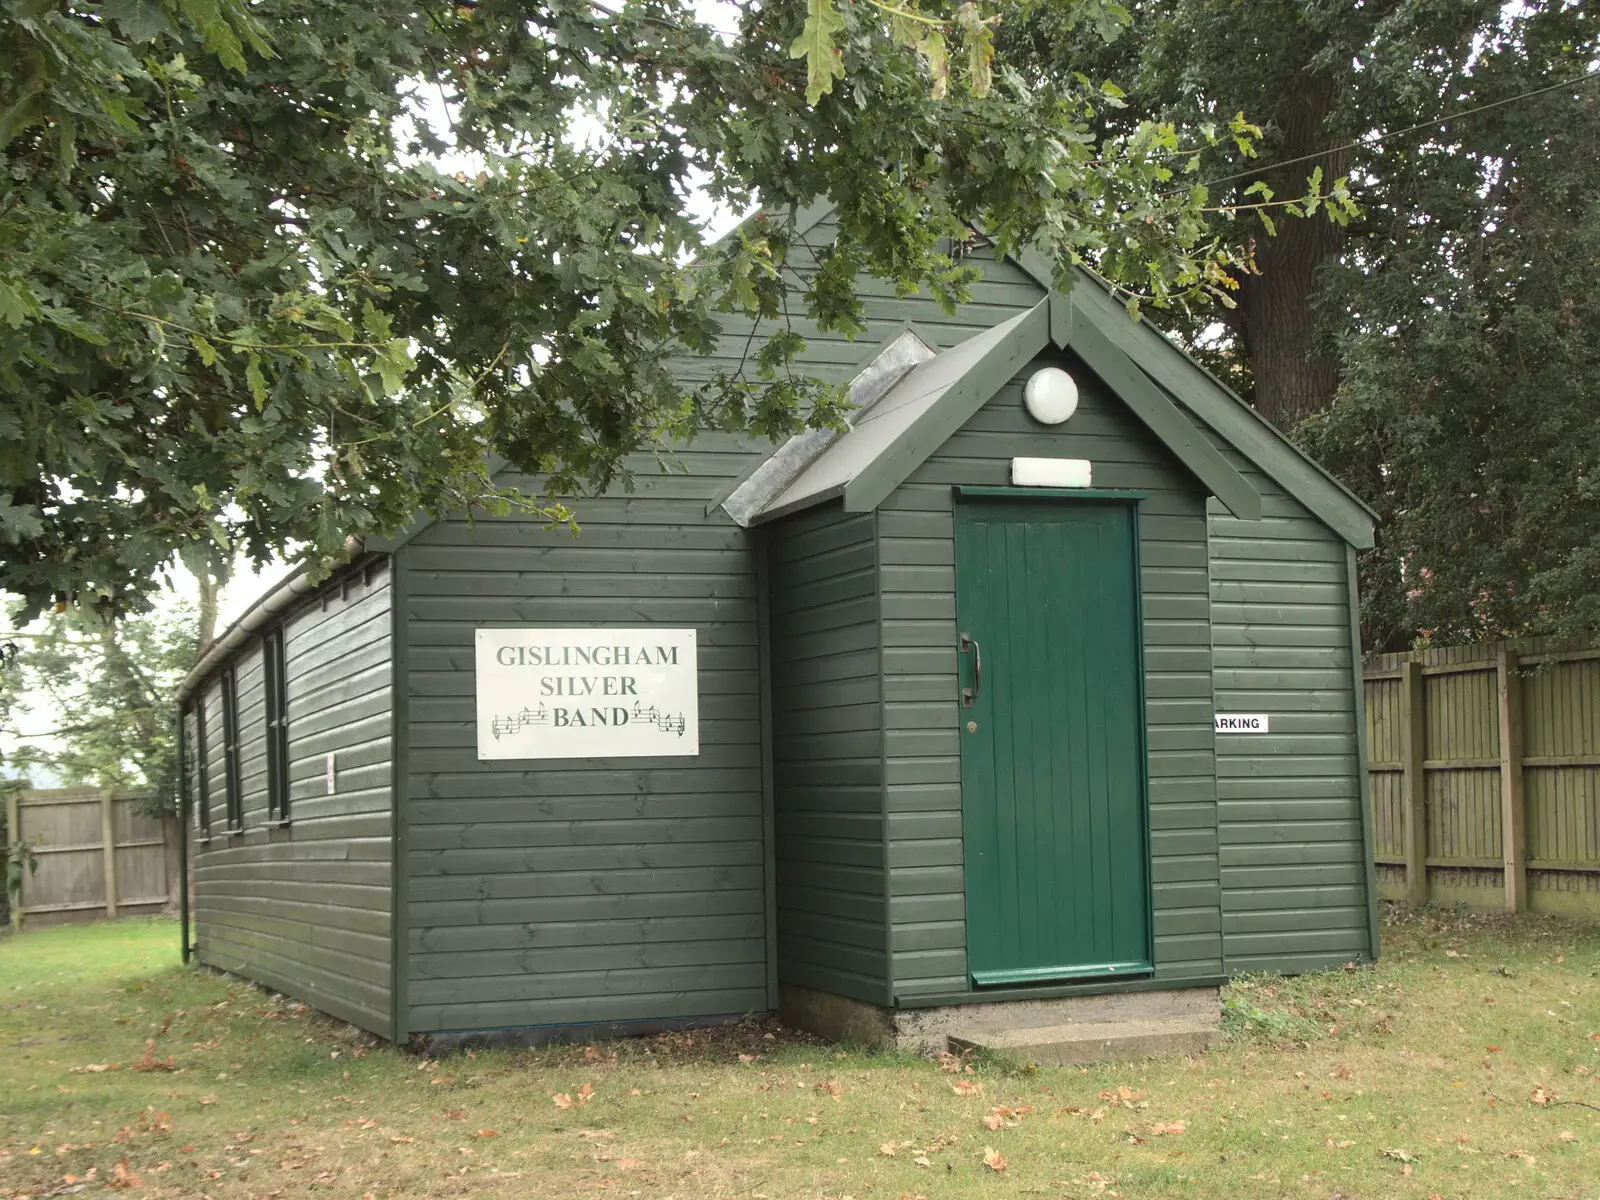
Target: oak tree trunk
1296,373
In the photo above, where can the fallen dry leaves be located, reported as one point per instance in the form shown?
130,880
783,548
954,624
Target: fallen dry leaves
993,1159
1125,1097
583,1096
1002,1117
1095,1115
122,1177
149,1062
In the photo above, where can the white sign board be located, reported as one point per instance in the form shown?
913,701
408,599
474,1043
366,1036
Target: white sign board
587,693
1241,724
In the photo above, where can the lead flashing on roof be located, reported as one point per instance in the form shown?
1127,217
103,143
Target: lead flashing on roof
747,502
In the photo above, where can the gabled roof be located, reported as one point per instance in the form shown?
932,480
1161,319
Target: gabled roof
1163,385
890,438
1220,408
1151,374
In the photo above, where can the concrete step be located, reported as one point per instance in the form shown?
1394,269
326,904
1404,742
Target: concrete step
1084,1042
927,1028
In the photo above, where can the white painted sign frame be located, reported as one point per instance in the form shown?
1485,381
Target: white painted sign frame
609,692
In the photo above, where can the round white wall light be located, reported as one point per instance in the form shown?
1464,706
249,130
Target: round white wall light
1050,396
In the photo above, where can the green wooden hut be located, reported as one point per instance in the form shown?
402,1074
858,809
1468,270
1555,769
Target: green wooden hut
1036,688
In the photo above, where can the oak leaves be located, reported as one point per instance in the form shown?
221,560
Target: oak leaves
924,33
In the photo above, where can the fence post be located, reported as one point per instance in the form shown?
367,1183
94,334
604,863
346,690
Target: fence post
1414,739
108,840
1513,812
13,834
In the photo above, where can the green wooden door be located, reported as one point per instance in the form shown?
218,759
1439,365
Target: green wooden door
1052,739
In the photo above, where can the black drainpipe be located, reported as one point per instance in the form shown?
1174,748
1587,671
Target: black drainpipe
183,845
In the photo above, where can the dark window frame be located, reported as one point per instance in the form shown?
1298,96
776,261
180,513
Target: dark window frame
232,780
197,781
275,688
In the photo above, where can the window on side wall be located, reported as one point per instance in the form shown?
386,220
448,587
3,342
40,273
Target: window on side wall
230,752
275,682
196,767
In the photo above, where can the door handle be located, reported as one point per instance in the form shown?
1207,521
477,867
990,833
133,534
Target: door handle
969,694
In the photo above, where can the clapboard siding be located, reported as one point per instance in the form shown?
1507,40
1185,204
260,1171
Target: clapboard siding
1003,291
921,715
594,890
827,754
306,908
1293,874
608,857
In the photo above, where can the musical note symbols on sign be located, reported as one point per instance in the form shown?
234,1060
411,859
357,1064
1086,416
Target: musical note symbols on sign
665,722
517,722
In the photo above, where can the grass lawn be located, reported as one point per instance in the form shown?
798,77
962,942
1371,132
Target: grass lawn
1464,1065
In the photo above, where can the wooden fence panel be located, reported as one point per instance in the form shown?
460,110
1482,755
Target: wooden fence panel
1507,811
1561,764
65,834
69,829
1385,744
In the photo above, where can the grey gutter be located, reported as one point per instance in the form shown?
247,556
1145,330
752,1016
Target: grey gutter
274,602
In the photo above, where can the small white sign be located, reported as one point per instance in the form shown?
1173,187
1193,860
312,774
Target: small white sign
587,693
1241,724
1051,472
330,773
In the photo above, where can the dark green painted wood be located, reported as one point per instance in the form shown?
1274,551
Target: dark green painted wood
400,949
1359,719
769,819
1052,753
308,909
1291,816
1028,335
512,859
1213,405
585,844
1093,341
1060,320
994,360
920,683
827,754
